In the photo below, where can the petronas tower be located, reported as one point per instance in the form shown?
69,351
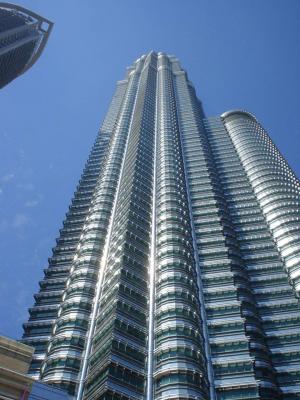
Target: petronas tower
176,274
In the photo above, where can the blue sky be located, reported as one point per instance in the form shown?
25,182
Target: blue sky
238,53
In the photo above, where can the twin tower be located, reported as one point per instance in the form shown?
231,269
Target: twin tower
176,274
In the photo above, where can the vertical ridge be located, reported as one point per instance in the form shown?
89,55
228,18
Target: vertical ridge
210,373
118,359
37,331
152,268
180,367
62,363
96,300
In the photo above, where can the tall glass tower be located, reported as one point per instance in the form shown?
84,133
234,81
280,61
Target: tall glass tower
23,36
176,274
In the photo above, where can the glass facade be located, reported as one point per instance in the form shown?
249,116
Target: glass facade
176,273
23,35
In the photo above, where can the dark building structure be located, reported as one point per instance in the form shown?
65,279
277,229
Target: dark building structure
23,36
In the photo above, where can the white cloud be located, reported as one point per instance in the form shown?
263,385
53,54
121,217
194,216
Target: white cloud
25,186
31,203
7,177
20,220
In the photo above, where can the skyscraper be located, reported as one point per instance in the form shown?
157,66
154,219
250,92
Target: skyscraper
176,272
23,36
